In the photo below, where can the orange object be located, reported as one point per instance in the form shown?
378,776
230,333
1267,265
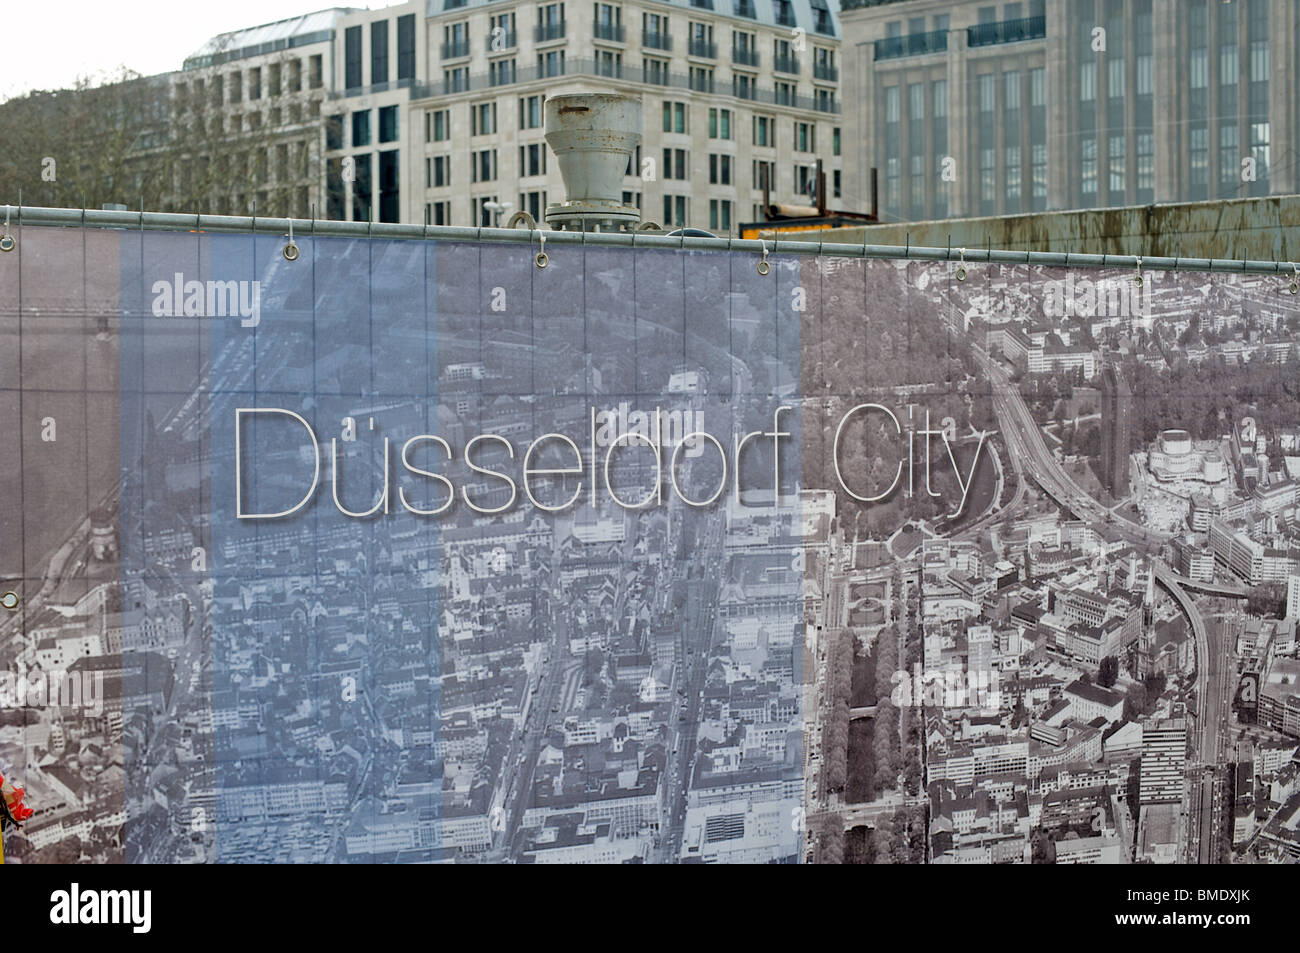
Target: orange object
14,800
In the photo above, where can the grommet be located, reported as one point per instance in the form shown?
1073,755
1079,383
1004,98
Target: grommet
10,599
961,268
290,251
1137,275
541,259
1294,286
7,242
763,266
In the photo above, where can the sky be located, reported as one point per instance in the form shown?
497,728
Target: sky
48,45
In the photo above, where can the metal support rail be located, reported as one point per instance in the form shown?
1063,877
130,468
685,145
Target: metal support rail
19,216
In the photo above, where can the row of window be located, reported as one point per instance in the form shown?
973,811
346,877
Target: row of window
361,128
782,11
379,66
485,167
280,78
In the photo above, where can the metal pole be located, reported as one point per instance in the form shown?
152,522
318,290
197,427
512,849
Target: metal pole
169,221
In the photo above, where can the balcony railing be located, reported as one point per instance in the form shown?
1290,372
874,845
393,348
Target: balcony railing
660,77
704,48
1007,31
786,64
826,72
702,82
613,32
656,41
455,49
914,44
505,40
744,57
548,31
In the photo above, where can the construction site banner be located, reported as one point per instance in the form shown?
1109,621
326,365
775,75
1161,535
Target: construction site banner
442,551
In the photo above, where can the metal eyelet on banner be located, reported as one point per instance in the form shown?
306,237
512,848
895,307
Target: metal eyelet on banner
763,266
7,242
961,268
9,600
290,251
541,259
1137,275
1294,286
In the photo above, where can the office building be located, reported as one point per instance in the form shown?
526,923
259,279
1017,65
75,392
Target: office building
1164,756
245,132
980,108
445,126
1116,425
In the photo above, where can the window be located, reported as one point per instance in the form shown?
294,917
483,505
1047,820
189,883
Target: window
1198,143
389,187
1088,165
530,112
1228,162
1087,82
361,190
744,85
764,173
1116,164
609,23
532,159
720,215
675,164
550,63
315,75
406,47
334,133
675,209
550,22
744,48
255,83
1146,163
437,213
805,137
483,119
501,72
654,71
719,123
719,169
437,126
609,63
479,211
485,165
1011,90
988,179
352,57
387,123
675,117
805,180
654,32
701,79
361,128
437,171
764,130
783,93
455,80
1038,170
534,203
379,52
835,141
501,32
